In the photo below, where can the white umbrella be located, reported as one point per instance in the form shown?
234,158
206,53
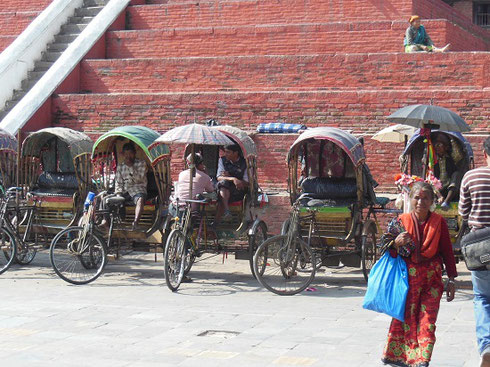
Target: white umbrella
394,134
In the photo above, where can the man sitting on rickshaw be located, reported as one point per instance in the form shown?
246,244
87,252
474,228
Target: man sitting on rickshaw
201,182
446,171
131,180
232,180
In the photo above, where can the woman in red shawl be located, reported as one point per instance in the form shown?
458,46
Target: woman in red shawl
422,238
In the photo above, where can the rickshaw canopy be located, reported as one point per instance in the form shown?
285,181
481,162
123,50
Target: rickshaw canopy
347,142
76,141
454,134
142,136
246,143
7,141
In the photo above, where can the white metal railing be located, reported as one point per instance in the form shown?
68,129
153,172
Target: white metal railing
19,57
58,72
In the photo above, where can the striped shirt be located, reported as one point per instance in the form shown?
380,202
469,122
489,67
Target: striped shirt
474,198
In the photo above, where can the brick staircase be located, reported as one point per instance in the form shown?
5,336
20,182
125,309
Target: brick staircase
243,62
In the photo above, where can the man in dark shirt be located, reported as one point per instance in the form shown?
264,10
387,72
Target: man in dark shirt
232,180
474,207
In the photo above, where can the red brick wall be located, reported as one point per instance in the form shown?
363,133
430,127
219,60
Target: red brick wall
13,23
437,9
255,73
5,41
235,13
24,5
465,7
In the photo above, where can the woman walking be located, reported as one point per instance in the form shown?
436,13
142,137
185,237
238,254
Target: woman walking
422,239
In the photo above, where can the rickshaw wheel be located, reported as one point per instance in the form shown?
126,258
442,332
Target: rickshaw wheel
78,257
254,241
9,249
284,267
285,226
368,252
174,262
25,254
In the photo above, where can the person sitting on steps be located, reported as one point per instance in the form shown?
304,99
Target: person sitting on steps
232,180
417,39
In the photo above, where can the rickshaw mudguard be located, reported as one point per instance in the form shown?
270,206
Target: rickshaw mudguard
369,223
253,229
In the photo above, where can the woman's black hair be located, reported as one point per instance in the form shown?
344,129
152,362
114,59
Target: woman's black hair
486,145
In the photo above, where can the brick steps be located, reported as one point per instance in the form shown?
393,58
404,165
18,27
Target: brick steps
360,111
294,39
220,13
311,72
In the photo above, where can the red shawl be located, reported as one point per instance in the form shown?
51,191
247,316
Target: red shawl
427,243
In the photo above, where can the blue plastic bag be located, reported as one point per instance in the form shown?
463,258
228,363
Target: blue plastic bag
388,287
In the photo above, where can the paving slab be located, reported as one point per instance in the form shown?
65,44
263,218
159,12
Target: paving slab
224,317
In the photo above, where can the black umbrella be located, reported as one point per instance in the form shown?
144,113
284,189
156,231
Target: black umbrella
430,117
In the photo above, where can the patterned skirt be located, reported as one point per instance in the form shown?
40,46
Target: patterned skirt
410,343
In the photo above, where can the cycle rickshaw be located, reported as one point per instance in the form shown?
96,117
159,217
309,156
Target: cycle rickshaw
55,176
8,167
333,213
462,155
79,253
191,231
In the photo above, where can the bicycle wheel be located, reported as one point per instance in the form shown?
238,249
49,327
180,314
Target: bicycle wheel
25,254
9,249
174,262
254,241
78,257
284,267
368,252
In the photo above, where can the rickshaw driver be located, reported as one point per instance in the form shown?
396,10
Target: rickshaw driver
201,183
446,171
131,181
232,180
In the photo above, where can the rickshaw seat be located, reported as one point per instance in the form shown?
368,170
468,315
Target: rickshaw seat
115,200
330,188
64,181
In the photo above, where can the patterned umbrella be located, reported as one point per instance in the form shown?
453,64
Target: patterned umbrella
428,116
194,134
394,134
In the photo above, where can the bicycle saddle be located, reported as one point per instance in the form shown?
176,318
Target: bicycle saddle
115,200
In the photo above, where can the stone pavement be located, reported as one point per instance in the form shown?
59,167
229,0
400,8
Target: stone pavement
128,317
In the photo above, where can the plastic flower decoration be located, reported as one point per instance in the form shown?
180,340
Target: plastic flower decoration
405,182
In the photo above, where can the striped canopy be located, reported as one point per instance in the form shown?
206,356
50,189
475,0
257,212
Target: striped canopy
76,142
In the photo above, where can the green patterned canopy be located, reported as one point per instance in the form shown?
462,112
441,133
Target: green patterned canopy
140,135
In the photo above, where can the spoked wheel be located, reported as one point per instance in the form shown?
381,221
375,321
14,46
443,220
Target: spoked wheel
175,259
190,258
9,249
254,241
368,252
78,257
25,253
284,267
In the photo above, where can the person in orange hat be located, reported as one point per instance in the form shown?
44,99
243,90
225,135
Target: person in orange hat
417,39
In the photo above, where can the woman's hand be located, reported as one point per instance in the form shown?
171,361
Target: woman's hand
450,290
402,239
